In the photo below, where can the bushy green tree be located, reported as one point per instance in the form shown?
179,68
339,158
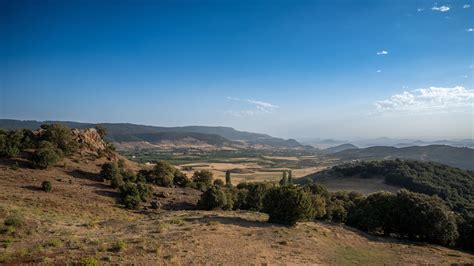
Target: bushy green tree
180,179
109,170
132,194
339,204
204,177
319,205
424,218
288,205
374,214
45,155
10,143
162,174
255,194
335,211
219,183
213,198
61,137
466,232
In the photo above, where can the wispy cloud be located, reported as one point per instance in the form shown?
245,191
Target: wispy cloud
256,107
466,6
420,9
378,71
441,8
470,30
428,100
383,52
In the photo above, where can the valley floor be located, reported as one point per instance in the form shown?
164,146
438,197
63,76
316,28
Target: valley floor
80,220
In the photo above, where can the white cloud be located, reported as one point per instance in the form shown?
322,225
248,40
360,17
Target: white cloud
428,100
420,9
441,8
383,52
258,107
466,6
378,71
470,30
262,104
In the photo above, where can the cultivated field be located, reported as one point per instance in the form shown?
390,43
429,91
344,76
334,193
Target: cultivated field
245,165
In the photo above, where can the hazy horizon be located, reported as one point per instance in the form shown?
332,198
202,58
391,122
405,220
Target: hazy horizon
304,69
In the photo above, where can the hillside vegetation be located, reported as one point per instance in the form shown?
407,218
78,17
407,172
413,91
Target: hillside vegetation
453,185
85,205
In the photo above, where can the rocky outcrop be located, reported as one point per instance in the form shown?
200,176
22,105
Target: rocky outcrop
90,139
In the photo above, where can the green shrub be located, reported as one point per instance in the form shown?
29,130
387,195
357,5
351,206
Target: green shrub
374,214
213,198
13,220
425,218
319,205
255,194
61,137
10,143
466,233
90,261
219,183
109,170
288,205
45,155
132,194
117,181
180,179
162,174
204,176
118,246
240,199
46,186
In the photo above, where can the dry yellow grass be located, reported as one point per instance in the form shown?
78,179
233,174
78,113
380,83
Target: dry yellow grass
79,220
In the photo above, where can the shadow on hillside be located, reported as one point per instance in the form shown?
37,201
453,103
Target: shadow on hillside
232,221
80,174
33,188
16,162
177,206
382,239
108,193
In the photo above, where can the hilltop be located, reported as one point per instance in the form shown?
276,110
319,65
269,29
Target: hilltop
81,220
129,136
452,156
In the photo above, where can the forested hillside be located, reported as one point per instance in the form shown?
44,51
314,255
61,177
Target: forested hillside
454,185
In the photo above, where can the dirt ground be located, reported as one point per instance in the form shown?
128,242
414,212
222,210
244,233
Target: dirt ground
80,221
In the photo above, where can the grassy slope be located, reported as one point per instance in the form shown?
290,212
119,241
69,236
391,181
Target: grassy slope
80,219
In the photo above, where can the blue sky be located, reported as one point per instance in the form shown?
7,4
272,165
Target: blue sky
341,69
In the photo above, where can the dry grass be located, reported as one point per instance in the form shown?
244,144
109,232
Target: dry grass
80,221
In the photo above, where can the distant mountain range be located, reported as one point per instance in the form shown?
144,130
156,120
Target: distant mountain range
140,136
460,157
339,148
328,143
